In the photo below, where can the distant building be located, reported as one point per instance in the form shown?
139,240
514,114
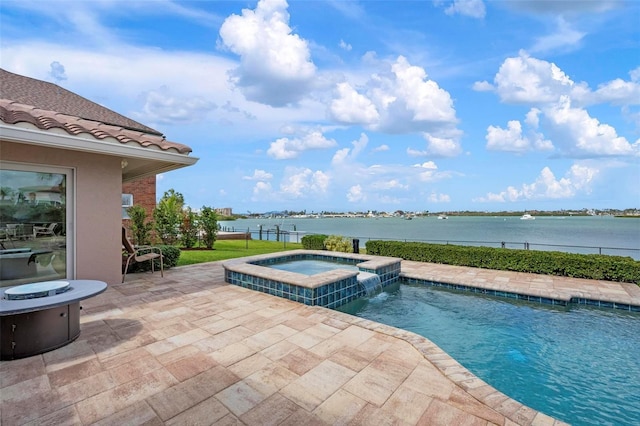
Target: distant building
224,211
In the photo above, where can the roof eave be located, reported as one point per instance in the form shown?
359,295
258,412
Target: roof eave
148,161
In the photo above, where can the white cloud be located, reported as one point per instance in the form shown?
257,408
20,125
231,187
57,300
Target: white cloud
428,172
435,197
577,179
259,175
442,147
351,107
345,46
509,139
513,139
386,185
619,92
559,110
161,106
348,155
381,148
482,86
524,79
427,165
275,66
565,37
122,78
577,133
355,194
471,8
285,148
262,191
421,96
303,182
416,153
532,118
401,99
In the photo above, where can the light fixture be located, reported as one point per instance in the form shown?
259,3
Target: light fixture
124,163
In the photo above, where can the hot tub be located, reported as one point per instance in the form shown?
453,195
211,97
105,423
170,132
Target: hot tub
330,289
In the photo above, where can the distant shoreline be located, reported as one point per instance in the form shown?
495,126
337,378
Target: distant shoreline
429,214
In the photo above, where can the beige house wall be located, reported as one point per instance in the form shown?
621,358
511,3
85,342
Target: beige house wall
97,215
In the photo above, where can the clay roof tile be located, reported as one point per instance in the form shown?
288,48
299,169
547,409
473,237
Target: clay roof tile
48,106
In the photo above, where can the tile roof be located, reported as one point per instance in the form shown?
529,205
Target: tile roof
49,106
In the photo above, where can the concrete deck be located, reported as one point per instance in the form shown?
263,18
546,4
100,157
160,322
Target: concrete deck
190,349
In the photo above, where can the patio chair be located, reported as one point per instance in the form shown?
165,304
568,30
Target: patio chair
24,231
140,254
45,230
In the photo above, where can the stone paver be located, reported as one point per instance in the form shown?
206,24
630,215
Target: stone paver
190,349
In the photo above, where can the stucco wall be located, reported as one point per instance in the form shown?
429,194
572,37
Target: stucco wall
97,227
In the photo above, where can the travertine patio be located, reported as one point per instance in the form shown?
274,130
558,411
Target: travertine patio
189,349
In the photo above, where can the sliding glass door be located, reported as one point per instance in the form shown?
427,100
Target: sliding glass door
35,223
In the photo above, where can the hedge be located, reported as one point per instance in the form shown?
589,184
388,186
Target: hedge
314,242
590,266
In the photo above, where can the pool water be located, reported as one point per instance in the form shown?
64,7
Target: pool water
311,267
577,364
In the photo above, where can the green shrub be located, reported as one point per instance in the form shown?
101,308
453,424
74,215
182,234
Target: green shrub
338,243
589,266
168,216
140,227
313,242
209,226
189,228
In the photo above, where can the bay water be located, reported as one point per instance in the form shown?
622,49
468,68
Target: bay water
577,234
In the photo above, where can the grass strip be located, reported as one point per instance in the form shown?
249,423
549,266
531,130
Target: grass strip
231,249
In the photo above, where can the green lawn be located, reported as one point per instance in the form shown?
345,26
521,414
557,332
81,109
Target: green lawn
230,249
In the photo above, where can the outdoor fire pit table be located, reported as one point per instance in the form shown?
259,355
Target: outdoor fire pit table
40,317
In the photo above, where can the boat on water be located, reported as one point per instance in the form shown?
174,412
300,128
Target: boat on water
443,216
527,216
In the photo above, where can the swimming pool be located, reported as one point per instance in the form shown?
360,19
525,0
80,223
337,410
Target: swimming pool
577,364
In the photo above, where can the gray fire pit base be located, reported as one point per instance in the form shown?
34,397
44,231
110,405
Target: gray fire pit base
33,333
34,326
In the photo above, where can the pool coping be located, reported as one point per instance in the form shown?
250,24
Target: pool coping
543,294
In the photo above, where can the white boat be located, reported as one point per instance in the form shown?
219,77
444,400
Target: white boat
442,216
527,216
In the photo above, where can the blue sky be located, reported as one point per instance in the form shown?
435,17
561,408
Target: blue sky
361,105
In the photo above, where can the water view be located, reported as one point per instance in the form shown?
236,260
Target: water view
581,234
576,364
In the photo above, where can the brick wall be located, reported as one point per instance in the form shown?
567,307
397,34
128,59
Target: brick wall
144,194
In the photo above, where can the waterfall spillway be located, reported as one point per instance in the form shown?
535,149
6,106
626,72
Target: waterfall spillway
370,282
